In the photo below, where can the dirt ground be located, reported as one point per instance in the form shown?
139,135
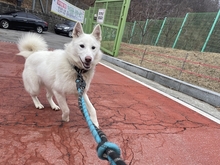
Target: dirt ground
197,68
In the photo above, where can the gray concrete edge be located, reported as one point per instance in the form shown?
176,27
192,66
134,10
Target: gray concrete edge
208,96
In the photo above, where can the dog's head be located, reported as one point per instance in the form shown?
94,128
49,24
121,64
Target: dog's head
84,50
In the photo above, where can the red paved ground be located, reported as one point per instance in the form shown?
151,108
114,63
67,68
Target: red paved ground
148,127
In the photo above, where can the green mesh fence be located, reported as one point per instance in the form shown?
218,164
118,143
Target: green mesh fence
142,32
152,30
213,44
115,13
110,27
169,32
197,31
127,32
138,32
89,17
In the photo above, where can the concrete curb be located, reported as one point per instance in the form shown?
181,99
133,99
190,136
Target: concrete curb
208,96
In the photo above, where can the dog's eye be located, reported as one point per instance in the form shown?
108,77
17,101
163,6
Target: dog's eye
82,46
93,47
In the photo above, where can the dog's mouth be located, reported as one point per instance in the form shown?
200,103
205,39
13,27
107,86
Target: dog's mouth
86,64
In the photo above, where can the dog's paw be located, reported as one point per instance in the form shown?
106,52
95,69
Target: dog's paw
65,118
55,107
95,121
39,106
96,124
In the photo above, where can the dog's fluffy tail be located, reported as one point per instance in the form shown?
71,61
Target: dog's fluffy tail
30,43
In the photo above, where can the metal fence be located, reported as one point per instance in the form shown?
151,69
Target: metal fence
113,23
195,31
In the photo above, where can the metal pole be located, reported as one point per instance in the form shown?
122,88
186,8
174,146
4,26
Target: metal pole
33,5
160,31
46,6
177,37
42,6
142,59
210,32
132,31
124,13
145,27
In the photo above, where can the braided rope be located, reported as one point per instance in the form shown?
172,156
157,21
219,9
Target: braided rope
105,150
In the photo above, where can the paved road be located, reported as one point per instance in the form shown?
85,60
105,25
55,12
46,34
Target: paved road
54,41
148,127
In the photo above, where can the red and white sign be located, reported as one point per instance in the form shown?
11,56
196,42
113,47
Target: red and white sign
67,10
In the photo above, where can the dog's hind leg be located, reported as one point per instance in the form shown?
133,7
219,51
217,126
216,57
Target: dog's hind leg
61,99
32,86
50,100
92,111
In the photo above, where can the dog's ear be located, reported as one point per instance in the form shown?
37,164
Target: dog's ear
97,32
78,30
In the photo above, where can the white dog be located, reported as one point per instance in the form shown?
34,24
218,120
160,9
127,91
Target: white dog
55,69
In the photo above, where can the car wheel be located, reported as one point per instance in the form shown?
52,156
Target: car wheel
39,29
70,34
4,24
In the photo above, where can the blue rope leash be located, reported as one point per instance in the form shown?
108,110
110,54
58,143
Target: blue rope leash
105,150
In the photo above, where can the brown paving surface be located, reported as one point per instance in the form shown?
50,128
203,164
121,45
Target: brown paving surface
148,127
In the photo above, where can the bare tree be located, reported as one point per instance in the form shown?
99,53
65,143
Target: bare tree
142,10
158,9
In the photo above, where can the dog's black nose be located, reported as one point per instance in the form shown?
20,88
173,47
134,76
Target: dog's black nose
88,59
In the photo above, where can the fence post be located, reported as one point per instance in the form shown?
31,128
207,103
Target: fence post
160,31
124,13
174,44
211,30
145,27
132,31
85,21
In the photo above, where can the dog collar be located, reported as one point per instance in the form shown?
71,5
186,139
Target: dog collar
79,70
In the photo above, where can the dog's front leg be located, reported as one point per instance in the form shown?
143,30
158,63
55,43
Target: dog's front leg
91,109
61,99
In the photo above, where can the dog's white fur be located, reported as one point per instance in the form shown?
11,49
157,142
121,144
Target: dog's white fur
54,69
